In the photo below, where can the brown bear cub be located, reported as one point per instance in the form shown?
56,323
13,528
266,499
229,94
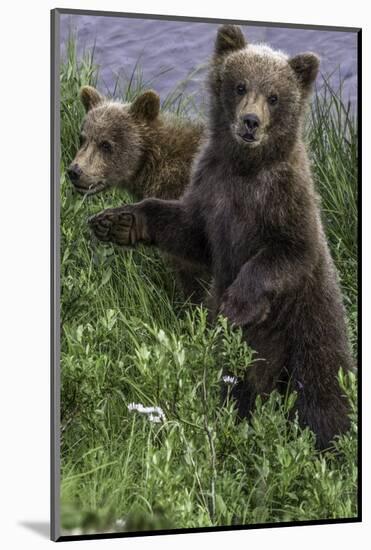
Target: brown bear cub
251,215
135,146
149,153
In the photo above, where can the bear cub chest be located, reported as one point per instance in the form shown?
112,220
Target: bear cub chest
232,224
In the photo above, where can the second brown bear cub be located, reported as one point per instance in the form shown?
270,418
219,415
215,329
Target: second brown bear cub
251,215
134,146
147,152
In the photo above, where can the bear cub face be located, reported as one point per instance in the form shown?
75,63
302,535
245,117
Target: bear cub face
261,93
111,140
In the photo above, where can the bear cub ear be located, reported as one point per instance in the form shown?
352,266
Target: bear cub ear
305,66
229,39
146,106
90,97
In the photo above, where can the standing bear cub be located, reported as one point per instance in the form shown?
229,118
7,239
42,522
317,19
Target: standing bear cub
251,215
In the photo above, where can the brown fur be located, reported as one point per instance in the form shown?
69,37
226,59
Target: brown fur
252,216
149,154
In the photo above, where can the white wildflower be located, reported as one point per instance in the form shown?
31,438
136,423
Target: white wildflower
232,380
120,523
155,414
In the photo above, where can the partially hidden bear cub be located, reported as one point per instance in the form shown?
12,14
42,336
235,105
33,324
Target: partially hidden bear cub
252,216
135,146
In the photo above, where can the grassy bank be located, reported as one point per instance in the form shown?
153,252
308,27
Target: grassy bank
128,338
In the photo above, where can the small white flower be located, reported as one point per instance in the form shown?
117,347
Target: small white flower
155,414
232,380
120,523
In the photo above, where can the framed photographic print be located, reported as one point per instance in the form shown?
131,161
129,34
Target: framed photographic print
205,274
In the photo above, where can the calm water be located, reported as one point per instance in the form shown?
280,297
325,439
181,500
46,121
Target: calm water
176,48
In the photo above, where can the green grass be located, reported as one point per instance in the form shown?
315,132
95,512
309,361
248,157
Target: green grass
332,136
128,338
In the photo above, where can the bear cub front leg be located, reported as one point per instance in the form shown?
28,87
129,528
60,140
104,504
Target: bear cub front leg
124,226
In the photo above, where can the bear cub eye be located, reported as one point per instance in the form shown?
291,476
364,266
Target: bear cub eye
106,146
241,89
272,99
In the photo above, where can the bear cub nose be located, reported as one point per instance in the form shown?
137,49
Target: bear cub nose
251,121
74,172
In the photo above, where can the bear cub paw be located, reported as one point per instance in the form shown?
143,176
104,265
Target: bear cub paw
116,225
244,313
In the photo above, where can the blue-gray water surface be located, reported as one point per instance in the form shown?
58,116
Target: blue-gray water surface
169,51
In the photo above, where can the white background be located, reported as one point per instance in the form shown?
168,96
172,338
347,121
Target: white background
24,272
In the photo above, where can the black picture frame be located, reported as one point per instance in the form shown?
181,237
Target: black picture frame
55,272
